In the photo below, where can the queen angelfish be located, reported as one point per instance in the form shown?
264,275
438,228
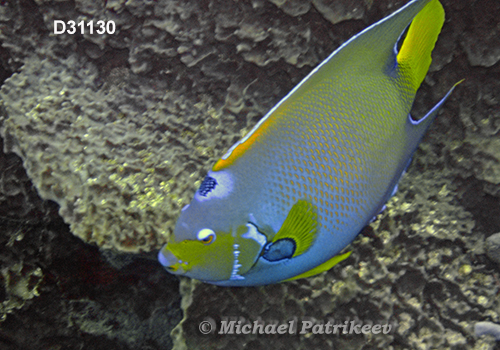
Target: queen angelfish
286,199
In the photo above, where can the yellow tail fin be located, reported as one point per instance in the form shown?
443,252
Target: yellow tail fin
414,57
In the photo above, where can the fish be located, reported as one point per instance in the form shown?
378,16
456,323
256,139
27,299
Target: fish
286,200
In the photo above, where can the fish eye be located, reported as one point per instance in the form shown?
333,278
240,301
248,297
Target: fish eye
206,236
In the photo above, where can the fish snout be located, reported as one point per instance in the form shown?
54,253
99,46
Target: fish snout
169,261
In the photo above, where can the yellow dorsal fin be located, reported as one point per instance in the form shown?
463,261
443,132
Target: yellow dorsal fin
414,57
300,225
327,265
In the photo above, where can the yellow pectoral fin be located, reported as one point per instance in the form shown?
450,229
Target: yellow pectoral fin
300,225
320,268
414,57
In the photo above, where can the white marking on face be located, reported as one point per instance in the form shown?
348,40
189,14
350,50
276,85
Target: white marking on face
236,264
252,233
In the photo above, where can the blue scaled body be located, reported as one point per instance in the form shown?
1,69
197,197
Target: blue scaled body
285,200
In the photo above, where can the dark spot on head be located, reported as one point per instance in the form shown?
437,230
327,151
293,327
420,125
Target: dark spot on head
207,185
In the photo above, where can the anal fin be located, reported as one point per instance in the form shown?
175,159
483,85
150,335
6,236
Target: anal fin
327,265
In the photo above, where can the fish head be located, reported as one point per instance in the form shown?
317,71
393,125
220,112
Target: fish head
213,239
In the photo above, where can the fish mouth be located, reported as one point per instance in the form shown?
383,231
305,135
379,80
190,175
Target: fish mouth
169,261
